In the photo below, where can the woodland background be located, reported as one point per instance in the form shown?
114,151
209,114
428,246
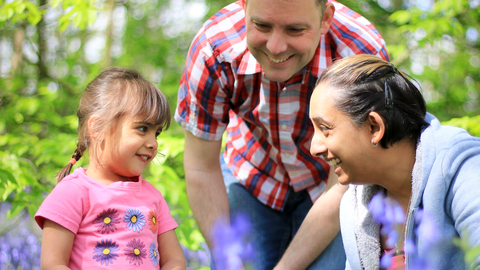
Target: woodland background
50,50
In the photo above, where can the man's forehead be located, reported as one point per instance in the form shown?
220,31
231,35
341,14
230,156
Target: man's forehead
244,2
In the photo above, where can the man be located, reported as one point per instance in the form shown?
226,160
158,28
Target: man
251,70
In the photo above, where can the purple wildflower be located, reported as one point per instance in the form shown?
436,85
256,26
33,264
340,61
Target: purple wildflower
231,247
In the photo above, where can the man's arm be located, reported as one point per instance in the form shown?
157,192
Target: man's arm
318,229
206,190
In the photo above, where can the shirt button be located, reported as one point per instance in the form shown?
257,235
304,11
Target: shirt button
284,126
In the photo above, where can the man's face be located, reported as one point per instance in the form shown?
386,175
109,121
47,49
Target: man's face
283,34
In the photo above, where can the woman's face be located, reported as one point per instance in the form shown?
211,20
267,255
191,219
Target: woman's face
336,138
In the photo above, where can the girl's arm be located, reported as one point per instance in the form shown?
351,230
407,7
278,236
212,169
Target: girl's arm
57,243
171,254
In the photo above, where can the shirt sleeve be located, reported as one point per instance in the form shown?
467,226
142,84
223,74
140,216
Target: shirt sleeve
203,99
354,34
464,195
165,219
64,206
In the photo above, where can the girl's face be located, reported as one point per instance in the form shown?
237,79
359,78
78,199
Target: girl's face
129,149
336,138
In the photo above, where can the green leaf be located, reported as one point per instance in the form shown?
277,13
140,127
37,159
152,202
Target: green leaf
20,7
55,3
400,17
78,20
92,16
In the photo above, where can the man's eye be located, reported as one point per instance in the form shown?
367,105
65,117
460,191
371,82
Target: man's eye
296,30
260,25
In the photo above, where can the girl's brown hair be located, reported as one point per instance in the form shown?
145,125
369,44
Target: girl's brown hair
112,94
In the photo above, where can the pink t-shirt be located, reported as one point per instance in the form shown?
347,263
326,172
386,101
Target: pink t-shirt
115,226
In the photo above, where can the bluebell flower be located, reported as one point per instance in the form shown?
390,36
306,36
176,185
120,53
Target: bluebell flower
135,219
105,251
389,214
231,246
154,254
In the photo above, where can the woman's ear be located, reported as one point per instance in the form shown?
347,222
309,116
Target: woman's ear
377,127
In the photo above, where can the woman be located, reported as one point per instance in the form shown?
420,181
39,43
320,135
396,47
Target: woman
371,124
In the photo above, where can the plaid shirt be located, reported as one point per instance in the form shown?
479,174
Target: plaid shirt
268,128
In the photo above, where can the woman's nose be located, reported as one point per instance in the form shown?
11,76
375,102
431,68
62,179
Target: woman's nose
317,146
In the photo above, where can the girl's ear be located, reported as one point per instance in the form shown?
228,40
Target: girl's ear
93,123
377,127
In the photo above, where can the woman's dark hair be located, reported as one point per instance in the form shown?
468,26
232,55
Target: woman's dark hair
112,94
366,83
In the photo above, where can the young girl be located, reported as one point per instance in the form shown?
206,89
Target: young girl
108,216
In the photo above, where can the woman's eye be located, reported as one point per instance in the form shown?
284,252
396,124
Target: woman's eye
323,128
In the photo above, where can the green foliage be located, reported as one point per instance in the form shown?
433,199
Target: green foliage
18,11
471,253
82,13
471,124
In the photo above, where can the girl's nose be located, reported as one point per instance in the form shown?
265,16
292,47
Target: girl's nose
151,143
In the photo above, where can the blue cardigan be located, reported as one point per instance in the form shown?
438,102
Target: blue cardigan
445,184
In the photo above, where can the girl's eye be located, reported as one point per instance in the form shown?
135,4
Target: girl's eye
143,128
157,133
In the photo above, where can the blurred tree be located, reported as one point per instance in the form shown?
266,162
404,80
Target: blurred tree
49,51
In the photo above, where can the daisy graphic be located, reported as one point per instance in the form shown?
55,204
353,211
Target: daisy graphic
106,220
105,251
135,252
154,254
153,220
135,219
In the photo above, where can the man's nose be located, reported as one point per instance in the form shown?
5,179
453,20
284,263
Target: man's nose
276,43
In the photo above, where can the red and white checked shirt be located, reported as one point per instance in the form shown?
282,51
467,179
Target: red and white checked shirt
268,128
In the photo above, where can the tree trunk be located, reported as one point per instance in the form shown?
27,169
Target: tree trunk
42,45
107,60
18,38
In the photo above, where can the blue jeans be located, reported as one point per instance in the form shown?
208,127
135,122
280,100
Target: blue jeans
273,230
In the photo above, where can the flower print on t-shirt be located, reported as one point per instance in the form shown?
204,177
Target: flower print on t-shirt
105,251
135,220
154,254
153,220
106,220
135,252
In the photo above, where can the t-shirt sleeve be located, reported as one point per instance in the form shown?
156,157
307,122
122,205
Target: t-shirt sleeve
64,206
165,219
